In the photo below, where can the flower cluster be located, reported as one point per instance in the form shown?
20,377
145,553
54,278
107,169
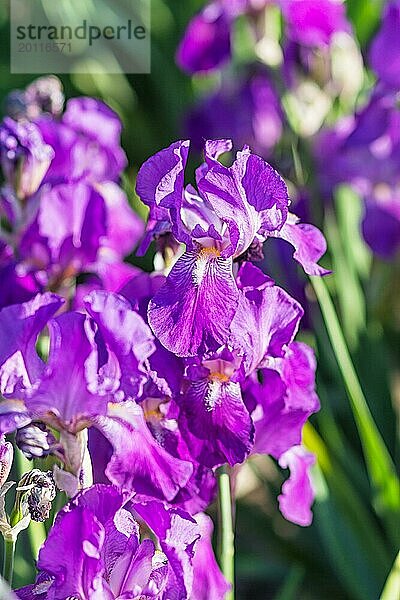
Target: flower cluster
302,77
140,385
64,214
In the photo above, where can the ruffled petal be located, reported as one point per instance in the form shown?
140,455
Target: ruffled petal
178,533
138,462
193,310
250,197
128,343
283,402
62,396
20,325
160,180
297,493
309,244
265,322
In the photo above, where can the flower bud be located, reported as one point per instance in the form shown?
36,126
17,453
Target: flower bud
41,497
35,492
35,440
6,459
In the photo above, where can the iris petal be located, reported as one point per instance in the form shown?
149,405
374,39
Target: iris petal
193,310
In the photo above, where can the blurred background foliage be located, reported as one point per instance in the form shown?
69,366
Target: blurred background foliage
349,550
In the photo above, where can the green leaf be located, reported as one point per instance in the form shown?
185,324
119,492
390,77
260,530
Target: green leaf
381,469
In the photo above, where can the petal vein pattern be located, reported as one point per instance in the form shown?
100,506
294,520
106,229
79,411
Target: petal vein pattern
194,308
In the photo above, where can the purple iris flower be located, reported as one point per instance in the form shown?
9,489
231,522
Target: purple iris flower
213,407
384,54
108,353
248,111
86,142
364,151
74,218
25,157
79,228
233,208
206,44
103,556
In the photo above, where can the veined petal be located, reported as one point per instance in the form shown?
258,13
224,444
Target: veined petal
208,581
308,241
215,412
178,533
76,539
297,492
139,463
62,395
128,340
250,196
264,188
265,322
283,402
194,308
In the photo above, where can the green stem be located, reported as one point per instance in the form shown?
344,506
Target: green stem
392,585
382,472
8,562
227,550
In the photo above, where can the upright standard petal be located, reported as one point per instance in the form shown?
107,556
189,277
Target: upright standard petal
20,325
266,321
160,180
128,343
62,397
138,462
99,130
250,197
193,310
67,231
297,493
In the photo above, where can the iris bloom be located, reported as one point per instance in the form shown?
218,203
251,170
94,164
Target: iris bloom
232,208
103,556
96,368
